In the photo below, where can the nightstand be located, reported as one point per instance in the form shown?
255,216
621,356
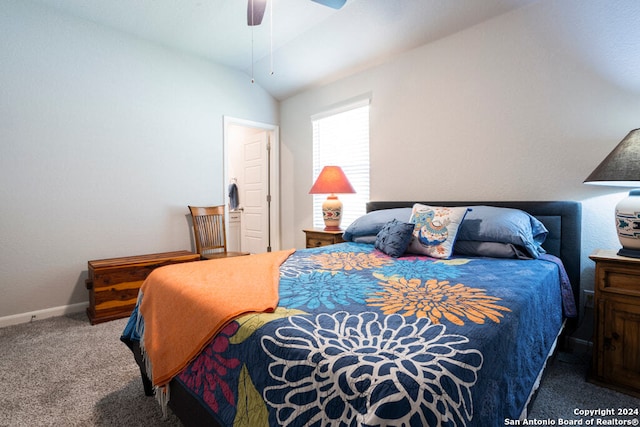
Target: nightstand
616,340
316,237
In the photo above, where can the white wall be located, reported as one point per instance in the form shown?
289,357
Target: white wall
522,107
105,140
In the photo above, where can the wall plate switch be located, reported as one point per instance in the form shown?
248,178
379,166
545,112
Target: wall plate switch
588,298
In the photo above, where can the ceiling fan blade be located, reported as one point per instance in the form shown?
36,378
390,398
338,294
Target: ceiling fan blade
334,4
255,11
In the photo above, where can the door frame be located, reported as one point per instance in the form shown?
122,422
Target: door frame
274,170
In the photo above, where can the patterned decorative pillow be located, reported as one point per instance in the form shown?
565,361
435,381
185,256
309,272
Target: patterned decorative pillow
394,238
435,229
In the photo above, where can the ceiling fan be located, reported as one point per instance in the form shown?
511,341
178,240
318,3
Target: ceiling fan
255,9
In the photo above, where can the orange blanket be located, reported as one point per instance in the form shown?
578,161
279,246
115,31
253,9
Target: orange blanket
185,305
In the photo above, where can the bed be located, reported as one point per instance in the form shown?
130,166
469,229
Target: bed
372,333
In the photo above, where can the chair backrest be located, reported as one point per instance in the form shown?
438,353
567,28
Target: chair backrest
209,229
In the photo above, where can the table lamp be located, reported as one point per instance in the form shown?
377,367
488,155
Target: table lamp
621,168
332,181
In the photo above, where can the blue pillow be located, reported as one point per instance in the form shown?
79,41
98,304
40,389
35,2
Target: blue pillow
490,249
367,227
394,238
504,225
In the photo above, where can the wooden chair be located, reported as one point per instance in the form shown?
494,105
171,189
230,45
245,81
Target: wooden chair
210,232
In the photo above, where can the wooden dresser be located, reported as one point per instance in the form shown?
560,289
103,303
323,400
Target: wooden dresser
616,340
113,283
316,237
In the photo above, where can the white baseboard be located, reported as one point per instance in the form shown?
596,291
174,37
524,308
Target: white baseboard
42,314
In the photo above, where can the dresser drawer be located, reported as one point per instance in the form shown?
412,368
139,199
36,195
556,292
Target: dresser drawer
317,241
317,237
618,278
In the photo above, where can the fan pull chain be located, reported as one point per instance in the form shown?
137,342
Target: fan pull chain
252,79
252,16
271,36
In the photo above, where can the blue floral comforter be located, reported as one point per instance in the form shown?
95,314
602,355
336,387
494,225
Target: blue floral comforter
363,339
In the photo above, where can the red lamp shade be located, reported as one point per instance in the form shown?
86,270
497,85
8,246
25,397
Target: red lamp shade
332,180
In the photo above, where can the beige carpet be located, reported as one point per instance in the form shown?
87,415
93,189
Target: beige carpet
64,372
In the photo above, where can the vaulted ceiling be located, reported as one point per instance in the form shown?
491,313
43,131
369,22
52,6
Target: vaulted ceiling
302,42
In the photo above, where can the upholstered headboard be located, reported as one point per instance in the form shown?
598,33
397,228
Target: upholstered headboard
563,219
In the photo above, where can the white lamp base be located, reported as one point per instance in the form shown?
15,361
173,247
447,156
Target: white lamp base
628,224
332,213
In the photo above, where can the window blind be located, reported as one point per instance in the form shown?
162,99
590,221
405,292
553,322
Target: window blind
341,138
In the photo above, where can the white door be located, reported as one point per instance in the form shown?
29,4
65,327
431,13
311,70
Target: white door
251,161
254,193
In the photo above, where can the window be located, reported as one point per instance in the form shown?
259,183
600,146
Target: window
341,138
